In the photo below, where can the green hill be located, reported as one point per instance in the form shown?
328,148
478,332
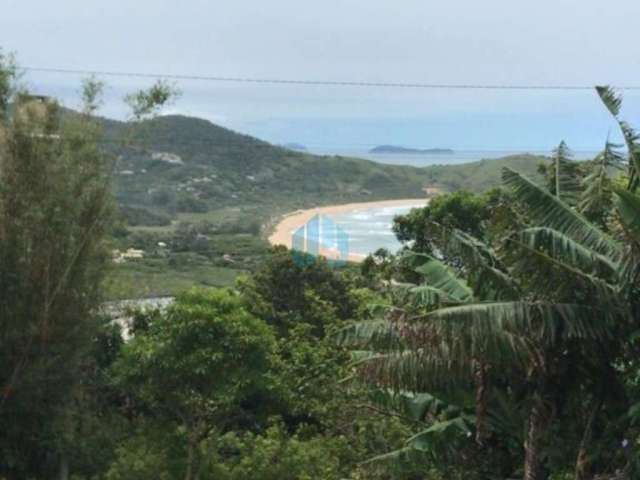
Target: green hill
483,174
178,164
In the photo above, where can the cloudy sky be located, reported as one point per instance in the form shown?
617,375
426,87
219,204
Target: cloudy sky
542,42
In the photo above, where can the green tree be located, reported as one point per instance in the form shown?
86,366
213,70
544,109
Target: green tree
596,199
55,214
462,210
563,174
277,455
55,209
197,363
286,292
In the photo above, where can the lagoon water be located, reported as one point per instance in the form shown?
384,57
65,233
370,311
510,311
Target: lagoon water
369,229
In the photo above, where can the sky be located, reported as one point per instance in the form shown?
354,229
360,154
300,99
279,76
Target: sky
542,42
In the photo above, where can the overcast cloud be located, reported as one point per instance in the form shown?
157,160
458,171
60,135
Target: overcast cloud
556,42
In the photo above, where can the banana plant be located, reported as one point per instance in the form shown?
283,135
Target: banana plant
613,102
601,269
466,326
563,172
492,312
597,194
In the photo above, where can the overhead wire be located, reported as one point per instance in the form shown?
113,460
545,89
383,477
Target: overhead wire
312,82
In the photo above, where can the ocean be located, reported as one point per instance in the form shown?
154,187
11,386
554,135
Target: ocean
455,158
369,229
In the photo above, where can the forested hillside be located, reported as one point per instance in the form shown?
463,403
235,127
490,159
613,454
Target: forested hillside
174,164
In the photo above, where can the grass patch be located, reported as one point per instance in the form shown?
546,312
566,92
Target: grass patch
157,277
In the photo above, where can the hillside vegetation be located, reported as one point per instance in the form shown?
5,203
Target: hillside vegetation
177,164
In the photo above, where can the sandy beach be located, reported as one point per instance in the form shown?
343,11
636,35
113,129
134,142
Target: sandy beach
292,221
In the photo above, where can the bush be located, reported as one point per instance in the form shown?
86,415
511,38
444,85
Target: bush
186,204
276,455
136,216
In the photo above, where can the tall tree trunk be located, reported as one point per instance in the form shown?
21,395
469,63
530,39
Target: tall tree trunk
583,465
480,378
64,467
539,418
191,450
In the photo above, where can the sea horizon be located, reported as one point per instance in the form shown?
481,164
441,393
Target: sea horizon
457,157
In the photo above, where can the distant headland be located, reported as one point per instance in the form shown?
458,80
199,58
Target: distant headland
298,147
397,149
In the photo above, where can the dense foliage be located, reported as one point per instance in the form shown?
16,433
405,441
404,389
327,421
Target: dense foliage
523,319
54,212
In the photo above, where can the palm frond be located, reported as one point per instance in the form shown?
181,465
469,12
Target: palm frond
632,140
438,350
610,98
498,332
441,438
628,207
553,213
443,278
428,296
490,278
442,346
442,434
566,185
564,249
594,286
379,310
491,284
421,295
456,243
596,196
393,456
367,333
358,356
413,406
418,370
613,101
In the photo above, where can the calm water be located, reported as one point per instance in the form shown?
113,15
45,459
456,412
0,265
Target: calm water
465,156
370,228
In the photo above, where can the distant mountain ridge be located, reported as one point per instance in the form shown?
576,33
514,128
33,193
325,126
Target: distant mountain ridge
387,149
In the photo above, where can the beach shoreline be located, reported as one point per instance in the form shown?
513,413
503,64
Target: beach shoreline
290,222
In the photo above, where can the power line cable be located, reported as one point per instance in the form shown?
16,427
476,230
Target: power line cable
332,83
